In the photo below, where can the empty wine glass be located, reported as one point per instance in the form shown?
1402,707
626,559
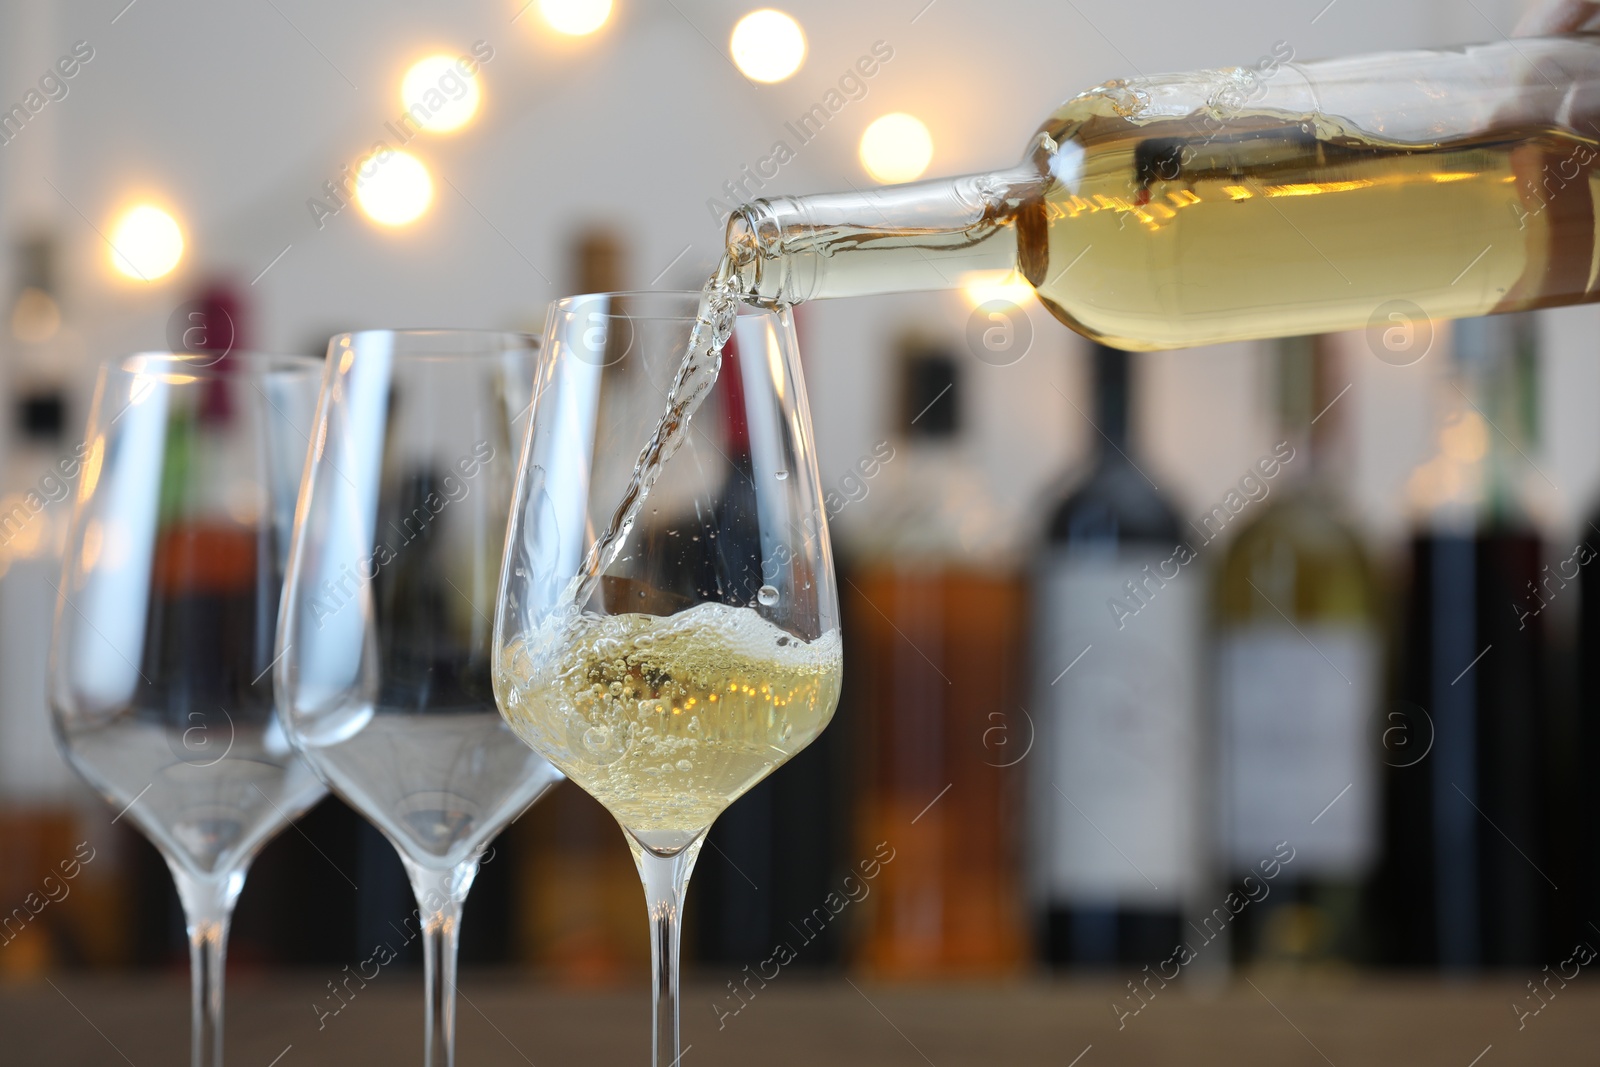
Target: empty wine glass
384,681
672,672
165,618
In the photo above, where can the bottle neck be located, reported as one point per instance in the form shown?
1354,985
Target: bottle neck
1301,366
918,237
1112,399
1480,474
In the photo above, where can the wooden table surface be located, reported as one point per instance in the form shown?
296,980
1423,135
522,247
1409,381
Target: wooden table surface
507,1019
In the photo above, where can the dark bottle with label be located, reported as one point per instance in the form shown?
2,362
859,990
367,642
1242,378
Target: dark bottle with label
1115,790
1466,870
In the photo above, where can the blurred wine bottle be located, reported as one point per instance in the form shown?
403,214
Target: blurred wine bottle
774,856
934,628
576,891
1297,683
1577,780
45,812
1115,790
1465,872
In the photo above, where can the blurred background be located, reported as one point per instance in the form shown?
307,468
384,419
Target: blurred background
1322,607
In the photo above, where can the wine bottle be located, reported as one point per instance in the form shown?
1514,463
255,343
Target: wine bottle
1576,775
1466,869
1297,676
1284,198
1115,790
934,625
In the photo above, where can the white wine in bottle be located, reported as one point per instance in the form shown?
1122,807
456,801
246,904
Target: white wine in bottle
1297,682
1229,204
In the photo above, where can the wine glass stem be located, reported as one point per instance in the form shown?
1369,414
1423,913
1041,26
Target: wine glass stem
666,879
440,895
207,909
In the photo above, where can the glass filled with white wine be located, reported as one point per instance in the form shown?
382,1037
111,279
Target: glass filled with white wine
668,627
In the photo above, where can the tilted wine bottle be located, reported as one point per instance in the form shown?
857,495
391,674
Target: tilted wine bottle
1285,198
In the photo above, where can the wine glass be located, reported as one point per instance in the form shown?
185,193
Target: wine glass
165,617
384,681
673,671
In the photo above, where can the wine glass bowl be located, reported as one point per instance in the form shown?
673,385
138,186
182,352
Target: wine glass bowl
668,655
162,652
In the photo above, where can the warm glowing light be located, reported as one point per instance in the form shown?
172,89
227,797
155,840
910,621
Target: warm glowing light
896,148
1317,188
393,188
91,468
146,243
983,286
24,540
768,45
576,18
438,95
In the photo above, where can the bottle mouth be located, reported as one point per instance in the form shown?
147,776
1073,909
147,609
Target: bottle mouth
758,254
743,248
741,237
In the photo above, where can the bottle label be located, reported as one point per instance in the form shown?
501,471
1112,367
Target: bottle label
1118,674
1297,764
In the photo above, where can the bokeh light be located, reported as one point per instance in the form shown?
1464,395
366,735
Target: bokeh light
896,148
985,286
768,45
393,189
146,243
449,98
575,18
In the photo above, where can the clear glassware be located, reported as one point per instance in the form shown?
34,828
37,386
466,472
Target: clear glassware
669,677
384,680
163,645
